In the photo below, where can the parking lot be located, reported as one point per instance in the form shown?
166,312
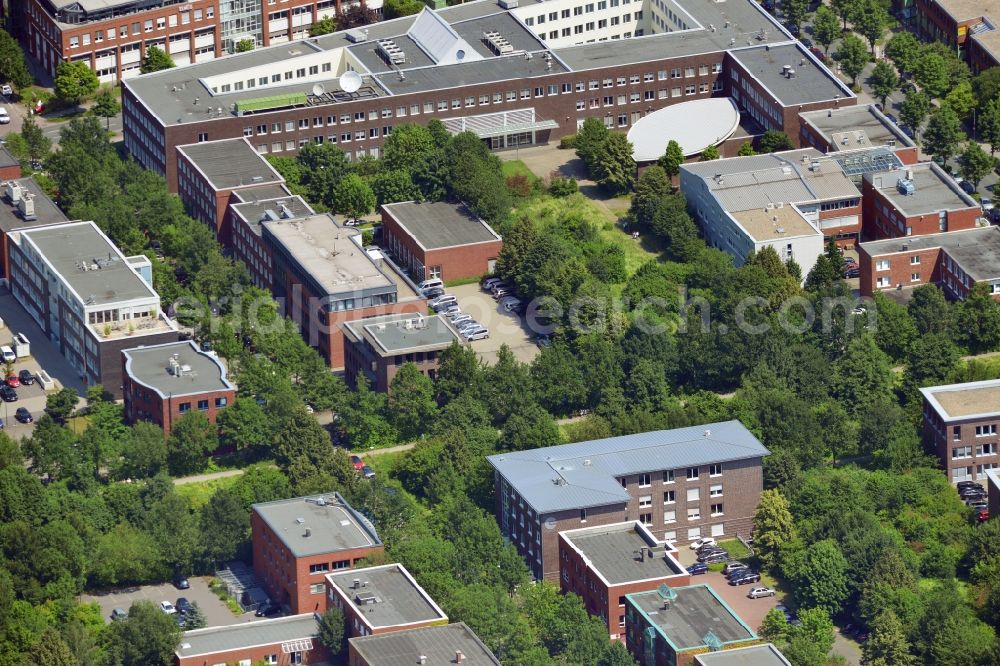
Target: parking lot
505,327
31,397
216,612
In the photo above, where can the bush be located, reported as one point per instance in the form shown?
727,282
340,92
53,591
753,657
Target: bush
563,187
568,142
519,185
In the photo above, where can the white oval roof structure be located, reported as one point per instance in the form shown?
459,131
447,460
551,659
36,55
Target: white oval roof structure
694,125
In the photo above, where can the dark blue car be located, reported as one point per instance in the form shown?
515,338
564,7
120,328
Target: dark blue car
697,568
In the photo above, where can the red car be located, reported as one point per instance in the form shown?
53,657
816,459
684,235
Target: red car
357,462
984,515
13,381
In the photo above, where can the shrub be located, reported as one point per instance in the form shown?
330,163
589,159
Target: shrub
568,142
519,185
563,187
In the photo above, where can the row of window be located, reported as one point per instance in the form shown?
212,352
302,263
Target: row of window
162,22
579,10
989,430
203,405
667,475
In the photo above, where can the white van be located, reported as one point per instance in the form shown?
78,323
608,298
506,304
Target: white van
8,354
441,302
430,284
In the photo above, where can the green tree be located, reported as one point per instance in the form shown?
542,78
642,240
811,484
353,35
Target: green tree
975,164
324,26
589,140
407,145
530,428
74,81
929,310
795,13
353,197
989,124
710,153
52,650
653,186
38,145
774,627
871,18
977,320
746,150
107,107
244,45
773,525
411,402
961,100
914,110
887,644
144,452
13,66
332,630
225,526
853,56
672,159
904,50
826,27
844,10
931,73
774,141
820,576
394,186
862,375
195,618
614,168
155,60
943,133
895,330
397,8
815,625
616,654
883,80
244,424
192,440
147,637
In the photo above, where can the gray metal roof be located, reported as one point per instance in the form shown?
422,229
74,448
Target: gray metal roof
68,247
935,190
438,644
977,251
852,127
812,82
495,69
386,596
396,334
440,224
583,474
230,163
317,524
46,212
694,612
755,655
263,192
198,372
247,635
254,212
621,553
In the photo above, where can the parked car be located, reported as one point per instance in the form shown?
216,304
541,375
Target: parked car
431,283
967,187
709,551
443,301
983,515
4,116
2,424
367,472
23,415
453,312
8,354
852,272
119,614
700,543
966,493
745,579
892,118
181,582
181,620
468,324
357,462
513,305
183,605
697,568
987,204
758,592
167,607
461,318
543,341
432,292
12,380
7,393
818,52
732,567
489,283
6,90
480,333
26,377
500,292
714,558
268,609
741,573
967,484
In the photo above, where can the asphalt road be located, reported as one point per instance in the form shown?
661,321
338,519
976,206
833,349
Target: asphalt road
216,612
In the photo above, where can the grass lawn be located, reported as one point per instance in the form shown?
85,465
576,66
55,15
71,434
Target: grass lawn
518,168
198,494
384,463
735,548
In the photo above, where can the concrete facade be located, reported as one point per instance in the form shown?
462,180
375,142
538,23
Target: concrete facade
960,427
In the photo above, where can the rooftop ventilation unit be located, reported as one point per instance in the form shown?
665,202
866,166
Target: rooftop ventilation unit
508,4
27,207
387,49
14,191
905,187
497,42
357,36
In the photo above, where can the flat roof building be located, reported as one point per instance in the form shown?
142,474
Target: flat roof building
604,481
246,214
755,655
383,599
297,540
665,626
292,638
24,206
10,167
379,346
434,646
161,383
955,260
602,564
960,423
852,128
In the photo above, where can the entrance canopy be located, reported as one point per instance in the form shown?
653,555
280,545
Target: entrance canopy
694,125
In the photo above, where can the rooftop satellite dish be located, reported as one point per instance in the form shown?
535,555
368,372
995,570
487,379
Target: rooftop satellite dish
318,89
350,81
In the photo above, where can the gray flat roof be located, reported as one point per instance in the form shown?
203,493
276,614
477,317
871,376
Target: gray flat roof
331,523
853,127
438,644
977,251
446,77
198,372
755,655
583,474
396,334
439,224
935,190
68,247
230,163
694,612
386,596
242,636
256,211
621,553
262,192
812,82
970,400
46,212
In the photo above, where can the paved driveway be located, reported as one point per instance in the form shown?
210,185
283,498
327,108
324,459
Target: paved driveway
31,397
216,612
42,350
505,327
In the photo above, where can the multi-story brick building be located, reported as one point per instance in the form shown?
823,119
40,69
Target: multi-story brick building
683,484
297,541
754,655
439,240
602,564
161,383
850,129
87,297
969,28
382,600
323,278
960,426
448,644
670,626
914,200
247,211
484,68
955,260
283,641
210,174
379,346
24,206
10,168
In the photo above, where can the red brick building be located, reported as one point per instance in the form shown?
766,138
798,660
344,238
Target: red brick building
439,240
955,260
848,129
282,641
17,214
10,168
603,564
448,644
382,600
960,426
914,200
248,209
297,541
161,383
683,484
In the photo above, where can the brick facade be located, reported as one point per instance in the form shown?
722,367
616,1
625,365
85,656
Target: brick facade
965,446
882,218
